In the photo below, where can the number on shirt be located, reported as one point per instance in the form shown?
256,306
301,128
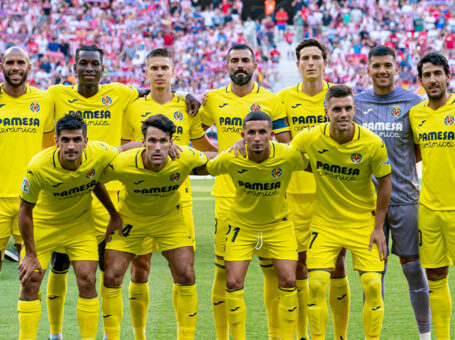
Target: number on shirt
314,238
127,229
236,232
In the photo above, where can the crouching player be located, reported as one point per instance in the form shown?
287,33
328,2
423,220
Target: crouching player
55,215
150,207
259,219
343,157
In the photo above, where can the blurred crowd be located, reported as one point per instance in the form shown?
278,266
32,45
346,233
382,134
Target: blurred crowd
199,38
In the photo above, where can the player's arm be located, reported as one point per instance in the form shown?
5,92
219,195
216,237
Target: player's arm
382,203
128,146
418,153
284,137
192,104
115,222
143,92
202,170
29,263
48,139
203,144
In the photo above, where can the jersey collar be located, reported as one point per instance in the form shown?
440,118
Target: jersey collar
148,98
27,90
57,163
256,88
326,131
325,87
75,88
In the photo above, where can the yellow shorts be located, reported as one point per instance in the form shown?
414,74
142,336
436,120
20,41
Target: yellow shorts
151,244
326,243
77,239
9,225
436,237
278,241
141,238
300,213
101,216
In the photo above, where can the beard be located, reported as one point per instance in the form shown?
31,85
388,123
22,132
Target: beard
241,80
15,84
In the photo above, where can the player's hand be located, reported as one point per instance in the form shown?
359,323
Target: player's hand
115,223
192,104
204,98
28,266
377,236
238,147
174,150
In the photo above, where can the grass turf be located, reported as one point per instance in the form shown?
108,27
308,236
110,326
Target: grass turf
399,322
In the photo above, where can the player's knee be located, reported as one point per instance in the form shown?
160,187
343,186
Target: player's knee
302,270
437,273
86,281
112,279
371,285
318,285
186,276
60,262
287,282
233,283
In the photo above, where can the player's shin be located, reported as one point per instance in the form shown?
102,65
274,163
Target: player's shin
219,301
288,310
441,307
29,313
112,311
236,313
339,302
302,295
187,305
318,313
139,303
55,300
88,310
373,308
271,297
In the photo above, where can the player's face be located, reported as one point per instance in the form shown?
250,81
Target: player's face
434,80
71,144
240,66
157,144
160,71
382,70
311,63
257,134
15,67
89,68
340,112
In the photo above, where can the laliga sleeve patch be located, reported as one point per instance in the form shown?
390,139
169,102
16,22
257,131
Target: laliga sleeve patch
25,186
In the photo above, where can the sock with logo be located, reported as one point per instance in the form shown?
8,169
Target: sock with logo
187,310
55,300
219,301
112,312
302,295
373,308
288,312
88,311
271,297
139,303
236,313
339,301
318,312
441,307
29,313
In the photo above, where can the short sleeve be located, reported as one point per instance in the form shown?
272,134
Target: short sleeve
380,165
279,117
205,112
31,185
299,161
48,116
301,141
108,174
196,130
219,165
129,93
198,159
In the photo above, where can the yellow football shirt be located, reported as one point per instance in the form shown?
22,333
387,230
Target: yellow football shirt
148,194
434,132
345,193
62,195
226,110
303,112
260,187
23,121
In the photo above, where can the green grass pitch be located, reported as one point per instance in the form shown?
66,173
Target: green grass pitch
399,320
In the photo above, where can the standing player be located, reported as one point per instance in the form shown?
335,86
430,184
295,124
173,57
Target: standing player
25,118
151,208
258,220
56,206
343,157
305,108
160,71
432,122
385,111
226,107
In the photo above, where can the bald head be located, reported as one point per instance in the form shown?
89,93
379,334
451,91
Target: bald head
15,66
15,49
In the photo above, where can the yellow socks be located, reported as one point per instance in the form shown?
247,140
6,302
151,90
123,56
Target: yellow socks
373,308
88,311
187,311
302,295
339,302
441,307
139,304
219,301
29,313
112,312
271,297
236,313
288,312
55,300
318,313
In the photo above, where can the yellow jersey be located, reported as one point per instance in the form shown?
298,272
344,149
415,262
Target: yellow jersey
226,110
345,193
303,112
148,194
260,187
62,195
23,121
434,132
